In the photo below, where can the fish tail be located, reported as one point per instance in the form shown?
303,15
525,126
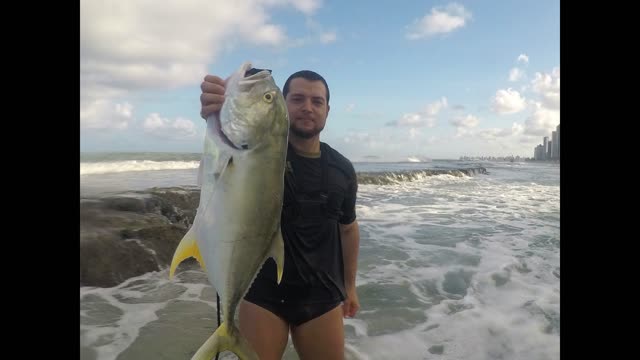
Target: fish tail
187,248
225,340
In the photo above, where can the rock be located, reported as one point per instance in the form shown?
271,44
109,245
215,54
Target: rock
106,261
437,349
131,234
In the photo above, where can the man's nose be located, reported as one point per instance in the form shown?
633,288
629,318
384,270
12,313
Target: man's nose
307,106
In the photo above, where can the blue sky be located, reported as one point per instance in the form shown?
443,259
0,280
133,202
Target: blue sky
433,79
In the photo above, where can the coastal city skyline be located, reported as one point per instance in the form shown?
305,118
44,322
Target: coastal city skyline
549,150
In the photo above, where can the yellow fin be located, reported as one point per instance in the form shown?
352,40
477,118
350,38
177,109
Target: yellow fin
223,340
277,252
187,248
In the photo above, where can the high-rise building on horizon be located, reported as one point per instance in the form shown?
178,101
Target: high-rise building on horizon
549,149
558,142
554,144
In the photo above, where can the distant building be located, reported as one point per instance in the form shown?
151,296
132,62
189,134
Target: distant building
545,143
558,141
538,153
554,145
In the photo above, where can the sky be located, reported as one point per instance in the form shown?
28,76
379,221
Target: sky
431,79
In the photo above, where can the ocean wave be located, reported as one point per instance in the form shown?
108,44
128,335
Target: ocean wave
134,165
396,177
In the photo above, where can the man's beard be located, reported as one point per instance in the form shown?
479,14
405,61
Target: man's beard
305,134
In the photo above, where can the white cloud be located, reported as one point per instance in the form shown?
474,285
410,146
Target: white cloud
307,7
104,114
542,121
468,121
328,37
129,45
164,128
268,34
508,101
413,119
383,144
319,34
523,58
491,134
463,132
356,137
515,74
434,108
427,117
495,133
376,140
350,107
439,21
517,129
548,85
464,124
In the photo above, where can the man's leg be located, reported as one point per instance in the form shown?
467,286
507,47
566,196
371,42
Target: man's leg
267,333
321,338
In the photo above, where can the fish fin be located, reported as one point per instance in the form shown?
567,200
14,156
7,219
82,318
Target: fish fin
277,252
225,340
188,247
222,162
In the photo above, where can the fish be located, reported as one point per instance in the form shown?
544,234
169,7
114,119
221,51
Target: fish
241,177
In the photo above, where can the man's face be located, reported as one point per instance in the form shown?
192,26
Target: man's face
307,106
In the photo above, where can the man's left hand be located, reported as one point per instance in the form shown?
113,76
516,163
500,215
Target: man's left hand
351,304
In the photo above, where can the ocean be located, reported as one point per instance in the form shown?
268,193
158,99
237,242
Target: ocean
458,260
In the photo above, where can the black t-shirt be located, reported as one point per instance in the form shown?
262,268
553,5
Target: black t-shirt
315,202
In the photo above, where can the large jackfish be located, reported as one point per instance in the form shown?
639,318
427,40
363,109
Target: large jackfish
237,224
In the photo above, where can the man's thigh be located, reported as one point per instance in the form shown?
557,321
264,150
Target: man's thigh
320,338
267,333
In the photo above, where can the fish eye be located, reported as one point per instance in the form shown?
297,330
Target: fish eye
268,97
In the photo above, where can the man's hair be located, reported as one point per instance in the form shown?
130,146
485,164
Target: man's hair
305,74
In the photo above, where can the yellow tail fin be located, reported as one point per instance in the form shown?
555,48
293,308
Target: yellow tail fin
225,340
187,248
277,252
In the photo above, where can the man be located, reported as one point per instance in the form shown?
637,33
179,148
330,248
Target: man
320,233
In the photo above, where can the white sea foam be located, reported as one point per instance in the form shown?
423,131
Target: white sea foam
93,168
132,308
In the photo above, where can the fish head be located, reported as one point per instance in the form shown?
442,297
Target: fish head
254,109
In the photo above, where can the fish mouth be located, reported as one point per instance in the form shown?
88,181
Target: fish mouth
248,82
252,74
